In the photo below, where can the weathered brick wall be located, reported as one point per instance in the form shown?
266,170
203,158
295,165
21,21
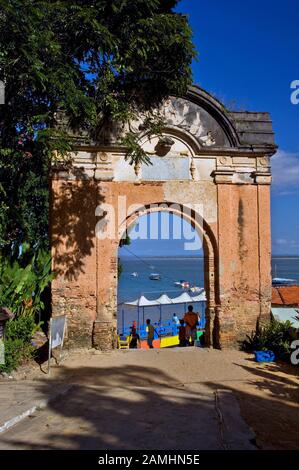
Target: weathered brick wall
245,260
74,257
104,335
237,267
213,159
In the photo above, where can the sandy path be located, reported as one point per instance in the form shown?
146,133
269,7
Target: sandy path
268,393
161,399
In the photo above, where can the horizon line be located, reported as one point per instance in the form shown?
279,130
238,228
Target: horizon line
200,256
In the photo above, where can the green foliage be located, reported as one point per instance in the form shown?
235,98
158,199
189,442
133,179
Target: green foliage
275,336
23,280
16,353
17,342
24,194
21,328
98,60
135,153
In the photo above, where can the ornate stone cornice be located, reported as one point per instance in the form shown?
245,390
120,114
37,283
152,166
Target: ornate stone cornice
223,176
262,177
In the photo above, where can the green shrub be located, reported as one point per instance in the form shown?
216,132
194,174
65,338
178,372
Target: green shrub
17,342
23,280
24,277
276,336
16,353
21,328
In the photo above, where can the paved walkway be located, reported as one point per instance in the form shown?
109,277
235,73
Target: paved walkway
161,399
20,399
124,407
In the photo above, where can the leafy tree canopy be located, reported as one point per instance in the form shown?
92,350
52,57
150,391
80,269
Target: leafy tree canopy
97,60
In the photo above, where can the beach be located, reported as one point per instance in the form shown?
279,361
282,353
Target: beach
173,269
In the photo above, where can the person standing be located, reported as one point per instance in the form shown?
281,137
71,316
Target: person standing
150,333
191,320
175,319
199,319
135,339
182,334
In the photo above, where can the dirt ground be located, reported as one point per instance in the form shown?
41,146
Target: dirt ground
268,394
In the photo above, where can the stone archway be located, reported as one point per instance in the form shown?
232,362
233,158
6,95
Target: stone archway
211,264
215,162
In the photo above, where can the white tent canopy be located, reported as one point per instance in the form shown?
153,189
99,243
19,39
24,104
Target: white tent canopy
165,300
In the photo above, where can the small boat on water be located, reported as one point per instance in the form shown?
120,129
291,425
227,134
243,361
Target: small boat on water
196,290
183,284
155,277
280,281
134,274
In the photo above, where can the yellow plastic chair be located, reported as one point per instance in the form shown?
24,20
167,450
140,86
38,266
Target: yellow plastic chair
124,343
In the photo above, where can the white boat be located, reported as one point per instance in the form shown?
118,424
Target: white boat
280,281
196,290
155,277
134,274
183,284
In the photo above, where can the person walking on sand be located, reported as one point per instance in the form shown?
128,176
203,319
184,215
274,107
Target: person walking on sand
191,320
150,333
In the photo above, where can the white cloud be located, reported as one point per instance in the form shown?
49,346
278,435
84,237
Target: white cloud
285,171
281,241
289,242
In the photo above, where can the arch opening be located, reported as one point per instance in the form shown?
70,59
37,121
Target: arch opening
202,267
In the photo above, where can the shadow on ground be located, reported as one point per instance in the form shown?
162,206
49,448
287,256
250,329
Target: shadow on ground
146,408
269,403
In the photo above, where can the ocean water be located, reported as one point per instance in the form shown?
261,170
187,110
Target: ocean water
286,267
171,270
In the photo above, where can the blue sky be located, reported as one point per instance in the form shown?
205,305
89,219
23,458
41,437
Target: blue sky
163,234
248,57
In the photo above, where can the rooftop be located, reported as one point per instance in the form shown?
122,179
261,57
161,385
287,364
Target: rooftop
285,295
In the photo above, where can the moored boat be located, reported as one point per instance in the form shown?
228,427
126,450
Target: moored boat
280,281
183,284
155,277
196,290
